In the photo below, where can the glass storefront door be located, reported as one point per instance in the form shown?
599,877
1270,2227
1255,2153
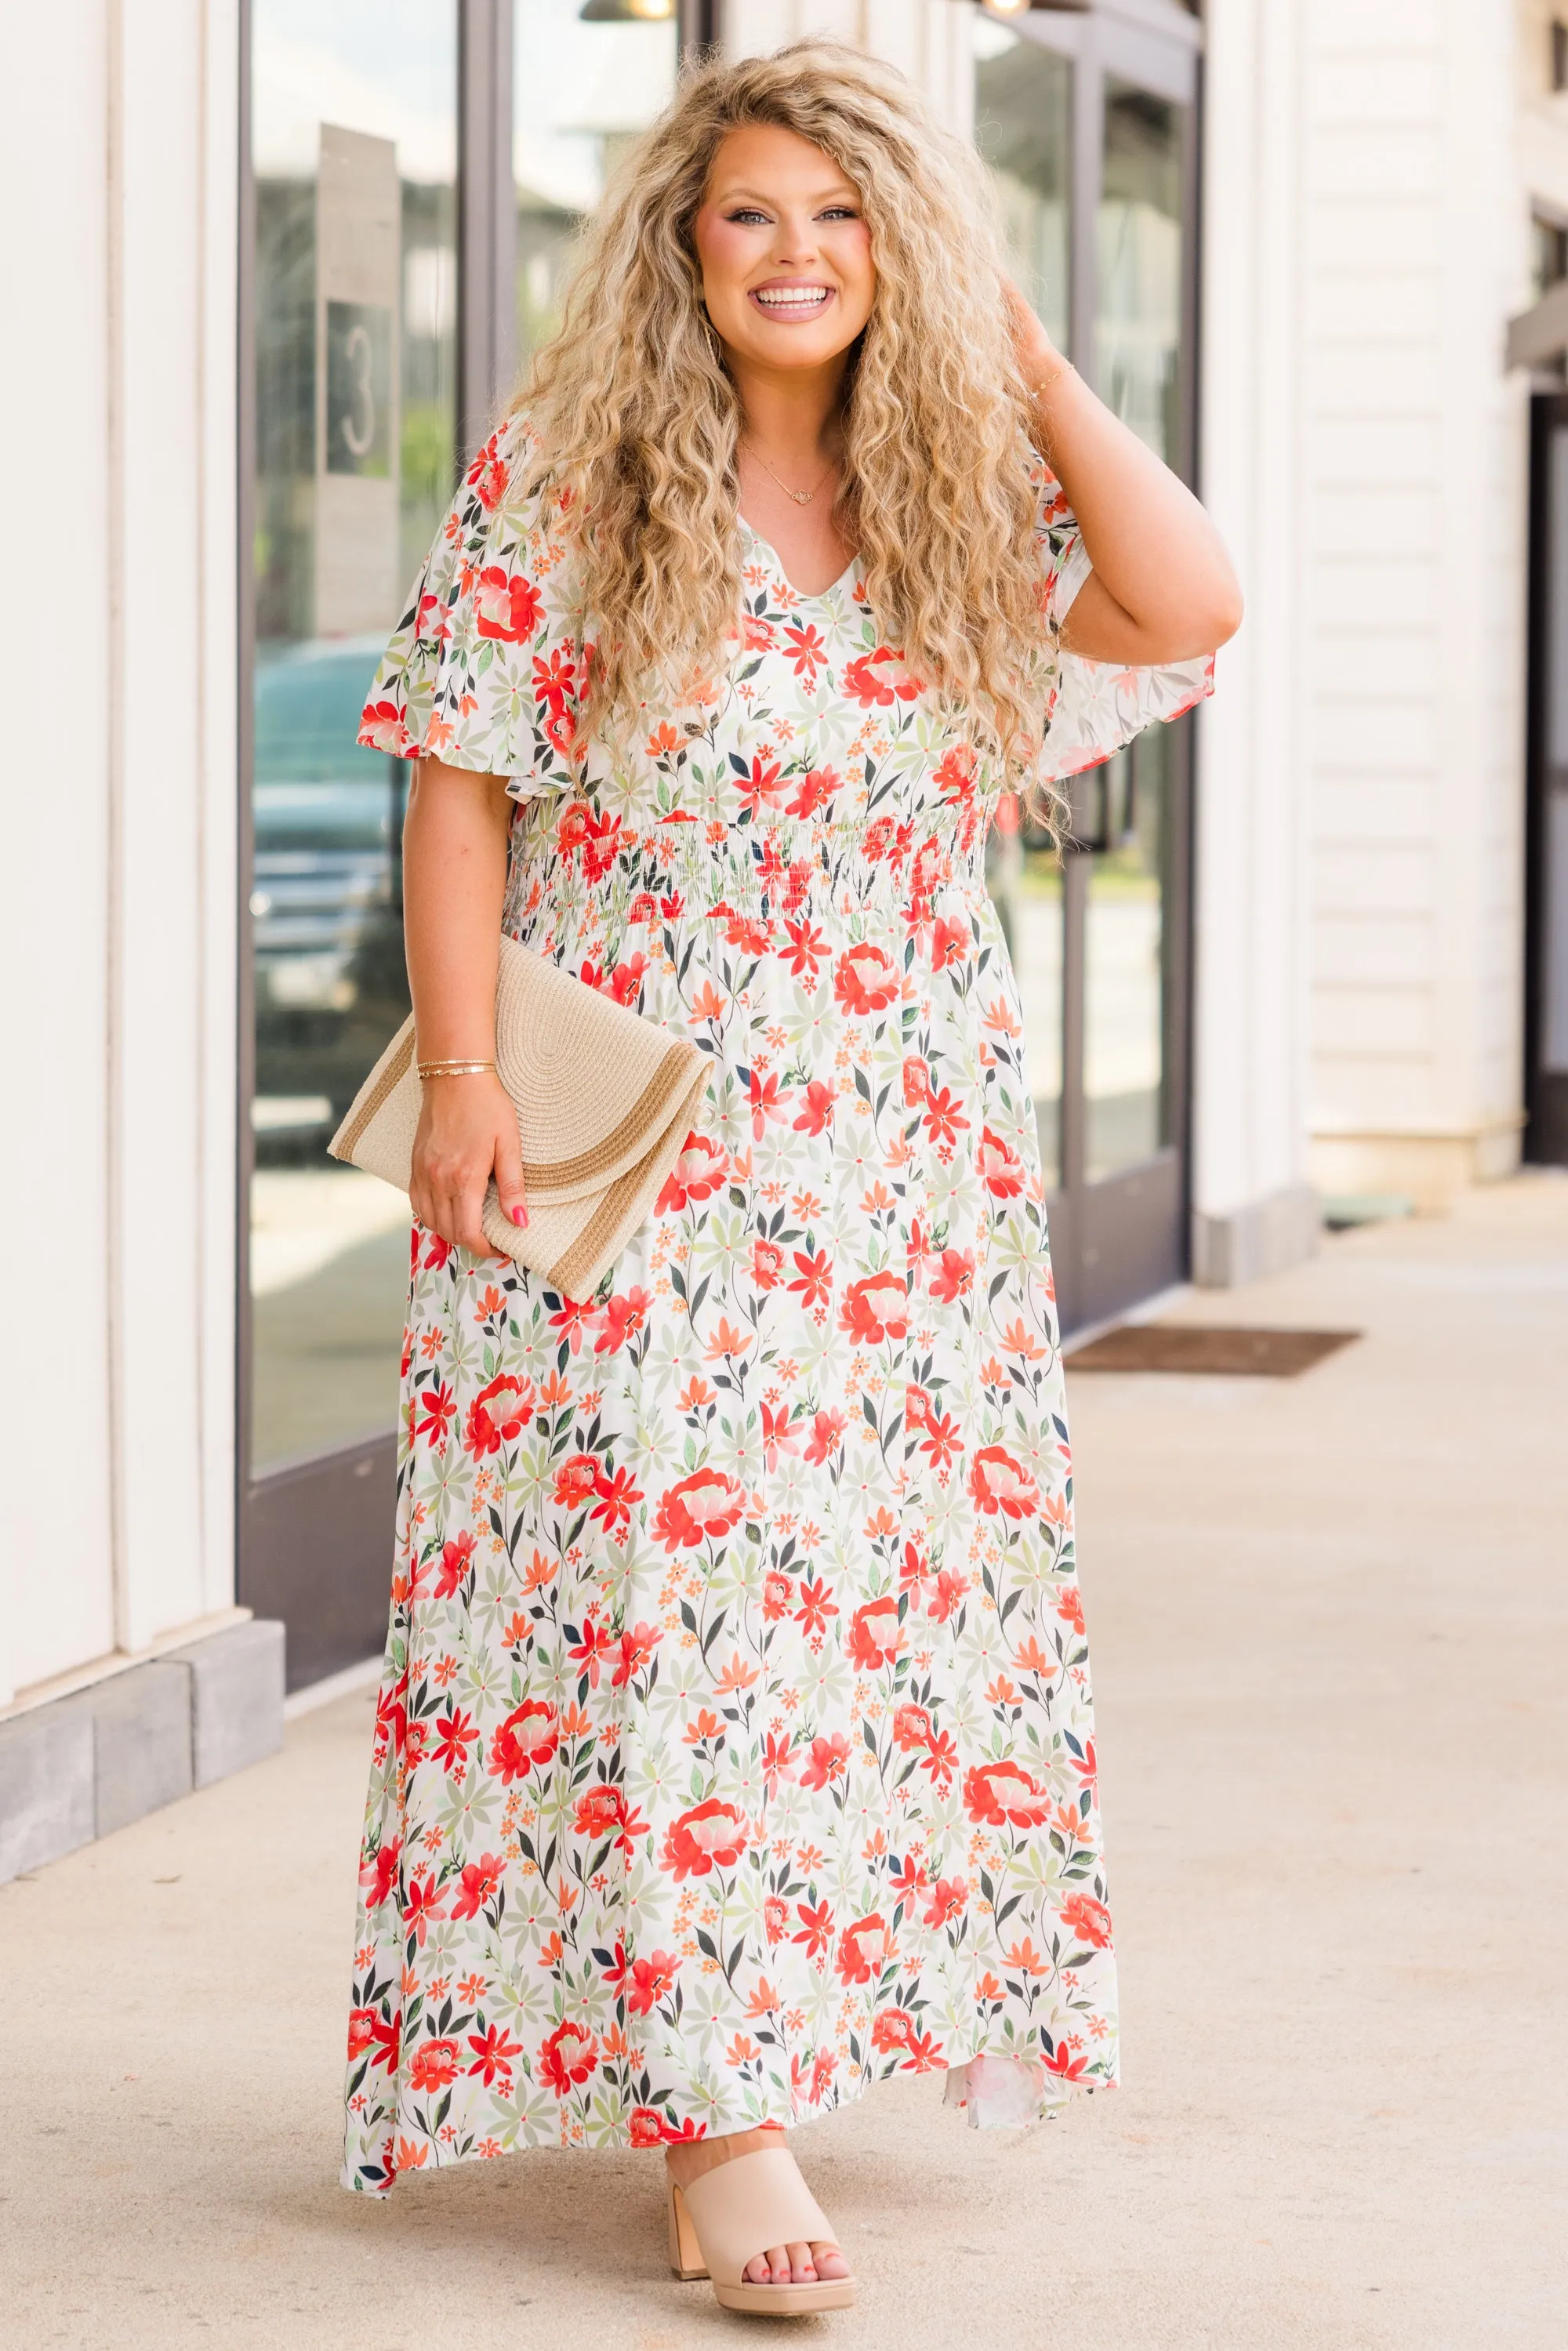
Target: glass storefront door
1093,169
353,279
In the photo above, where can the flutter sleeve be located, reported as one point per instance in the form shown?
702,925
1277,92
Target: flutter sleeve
1097,706
483,669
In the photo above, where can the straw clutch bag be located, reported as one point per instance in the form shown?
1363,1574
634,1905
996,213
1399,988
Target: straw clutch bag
604,1102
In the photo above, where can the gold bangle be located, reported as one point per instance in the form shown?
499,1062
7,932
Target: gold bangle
453,1069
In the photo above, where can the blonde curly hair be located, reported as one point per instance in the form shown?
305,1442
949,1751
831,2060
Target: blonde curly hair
637,417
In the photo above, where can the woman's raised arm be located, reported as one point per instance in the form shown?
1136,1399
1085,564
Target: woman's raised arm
1163,588
455,881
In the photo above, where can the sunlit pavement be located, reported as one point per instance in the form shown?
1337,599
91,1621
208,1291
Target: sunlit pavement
1328,1617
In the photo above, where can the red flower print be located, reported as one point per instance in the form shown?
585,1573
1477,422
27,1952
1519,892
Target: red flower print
942,1443
954,1275
756,634
953,777
807,948
806,649
712,1835
615,1499
950,943
774,1917
1065,2064
1086,1917
637,1647
951,1586
943,1119
1001,1169
369,2029
941,1757
646,2128
877,677
997,1482
498,1415
816,1929
830,1762
455,1562
816,1605
575,1480
478,1885
776,1595
827,1435
1002,1795
602,1811
815,1273
767,1262
434,2064
695,1175
766,1102
567,2057
875,1636
524,1741
761,789
818,1114
865,979
489,473
863,1949
378,1874
421,1903
777,1434
911,1727
891,2030
382,728
948,1896
439,1408
917,1081
455,1735
588,1654
751,937
1069,1607
507,606
625,982
877,1308
554,680
779,1760
494,2052
650,1981
700,1507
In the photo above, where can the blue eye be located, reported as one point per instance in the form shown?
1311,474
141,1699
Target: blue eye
748,213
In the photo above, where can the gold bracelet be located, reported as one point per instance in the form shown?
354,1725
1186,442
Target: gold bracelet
453,1069
1038,391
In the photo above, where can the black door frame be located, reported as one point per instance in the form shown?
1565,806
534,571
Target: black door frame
1545,1092
1127,1236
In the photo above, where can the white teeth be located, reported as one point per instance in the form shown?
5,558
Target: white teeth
811,298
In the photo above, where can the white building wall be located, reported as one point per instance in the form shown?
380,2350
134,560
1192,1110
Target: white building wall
120,947
1413,559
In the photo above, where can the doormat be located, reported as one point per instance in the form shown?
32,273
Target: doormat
1192,1347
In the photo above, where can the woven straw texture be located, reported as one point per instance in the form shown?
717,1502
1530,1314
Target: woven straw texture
604,1102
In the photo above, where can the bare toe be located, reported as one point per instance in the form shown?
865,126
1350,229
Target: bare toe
830,2261
759,2270
802,2269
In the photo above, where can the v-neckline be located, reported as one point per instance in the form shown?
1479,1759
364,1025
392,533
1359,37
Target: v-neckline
769,547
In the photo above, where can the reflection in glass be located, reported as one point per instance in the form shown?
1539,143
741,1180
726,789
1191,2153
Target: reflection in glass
1137,324
1023,122
1123,957
354,137
584,90
1023,875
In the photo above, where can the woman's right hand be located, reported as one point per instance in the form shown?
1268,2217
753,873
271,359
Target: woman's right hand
467,1132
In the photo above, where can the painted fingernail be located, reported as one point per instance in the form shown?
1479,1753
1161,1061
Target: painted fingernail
519,1216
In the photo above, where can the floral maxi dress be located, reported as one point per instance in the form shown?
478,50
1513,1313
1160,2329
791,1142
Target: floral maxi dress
733,1746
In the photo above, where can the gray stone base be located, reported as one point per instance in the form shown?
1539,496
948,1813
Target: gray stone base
1264,1237
82,1766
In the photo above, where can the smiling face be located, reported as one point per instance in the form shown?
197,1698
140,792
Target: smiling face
785,252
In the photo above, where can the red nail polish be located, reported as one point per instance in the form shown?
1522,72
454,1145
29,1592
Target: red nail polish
519,1216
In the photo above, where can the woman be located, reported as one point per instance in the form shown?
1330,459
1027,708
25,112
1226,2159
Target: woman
733,1749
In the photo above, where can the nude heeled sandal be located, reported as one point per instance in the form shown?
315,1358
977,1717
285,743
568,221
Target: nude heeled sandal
735,2211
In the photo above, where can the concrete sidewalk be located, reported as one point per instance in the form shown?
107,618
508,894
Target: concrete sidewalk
1328,1616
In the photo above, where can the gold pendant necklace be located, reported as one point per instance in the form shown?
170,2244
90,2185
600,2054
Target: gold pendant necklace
801,497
